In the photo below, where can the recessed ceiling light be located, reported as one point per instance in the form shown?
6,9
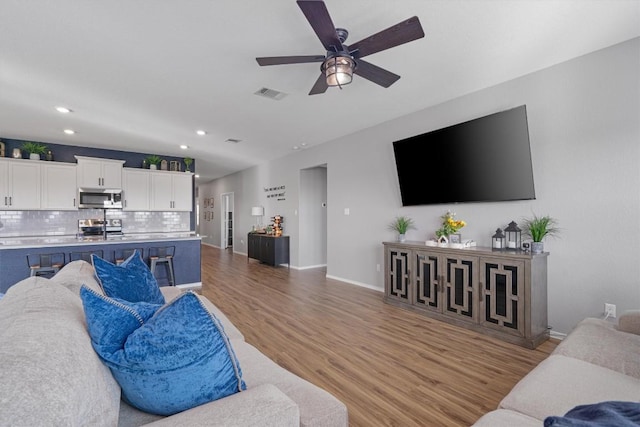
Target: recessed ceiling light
69,131
201,132
184,147
295,147
63,110
304,144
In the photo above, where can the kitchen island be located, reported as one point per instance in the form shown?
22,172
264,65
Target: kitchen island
186,261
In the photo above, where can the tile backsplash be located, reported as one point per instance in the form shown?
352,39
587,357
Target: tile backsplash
55,223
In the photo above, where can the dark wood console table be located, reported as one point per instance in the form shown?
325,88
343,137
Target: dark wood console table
268,249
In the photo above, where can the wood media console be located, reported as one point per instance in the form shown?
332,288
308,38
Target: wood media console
498,293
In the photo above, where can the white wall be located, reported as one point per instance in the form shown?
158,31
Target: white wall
584,125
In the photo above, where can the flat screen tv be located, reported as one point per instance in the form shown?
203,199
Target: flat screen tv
487,159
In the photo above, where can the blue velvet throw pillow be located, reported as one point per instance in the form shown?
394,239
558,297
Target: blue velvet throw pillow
130,281
167,359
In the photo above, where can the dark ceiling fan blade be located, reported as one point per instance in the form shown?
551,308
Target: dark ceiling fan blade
279,60
320,85
318,16
376,74
401,33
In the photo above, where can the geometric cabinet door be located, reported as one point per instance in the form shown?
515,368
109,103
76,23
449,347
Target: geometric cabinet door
502,295
460,287
397,280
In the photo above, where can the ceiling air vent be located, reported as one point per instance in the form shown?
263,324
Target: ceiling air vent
232,140
270,93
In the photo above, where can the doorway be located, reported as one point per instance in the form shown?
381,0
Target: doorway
227,221
312,220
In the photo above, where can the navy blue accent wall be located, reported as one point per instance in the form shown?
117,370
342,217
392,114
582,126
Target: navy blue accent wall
66,153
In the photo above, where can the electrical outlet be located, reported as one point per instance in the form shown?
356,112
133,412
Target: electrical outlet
609,310
378,268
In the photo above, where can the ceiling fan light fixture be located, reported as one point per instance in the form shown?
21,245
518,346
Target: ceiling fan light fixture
339,70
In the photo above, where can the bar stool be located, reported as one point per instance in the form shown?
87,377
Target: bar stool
85,256
121,255
45,264
163,255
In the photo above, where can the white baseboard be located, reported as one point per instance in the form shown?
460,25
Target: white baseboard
353,282
210,244
309,267
557,335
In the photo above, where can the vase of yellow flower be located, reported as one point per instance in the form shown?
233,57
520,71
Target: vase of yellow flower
450,225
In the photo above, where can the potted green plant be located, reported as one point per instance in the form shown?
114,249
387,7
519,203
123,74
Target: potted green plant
539,227
153,161
401,225
187,162
35,149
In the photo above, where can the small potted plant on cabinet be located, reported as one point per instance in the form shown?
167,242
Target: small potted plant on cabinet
187,162
401,225
35,149
538,228
153,161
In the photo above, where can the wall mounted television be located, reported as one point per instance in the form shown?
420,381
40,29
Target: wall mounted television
487,159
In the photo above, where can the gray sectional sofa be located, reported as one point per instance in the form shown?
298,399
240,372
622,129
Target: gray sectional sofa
597,362
50,374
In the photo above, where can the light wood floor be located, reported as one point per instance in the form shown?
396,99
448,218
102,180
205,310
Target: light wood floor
390,366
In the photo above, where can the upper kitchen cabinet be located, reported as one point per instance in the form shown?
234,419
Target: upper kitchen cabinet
99,173
19,184
171,191
59,188
136,186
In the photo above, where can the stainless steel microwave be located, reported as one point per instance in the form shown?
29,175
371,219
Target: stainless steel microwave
99,198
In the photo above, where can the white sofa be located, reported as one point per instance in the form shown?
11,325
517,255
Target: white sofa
597,362
50,374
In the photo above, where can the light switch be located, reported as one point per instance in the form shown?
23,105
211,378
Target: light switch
346,211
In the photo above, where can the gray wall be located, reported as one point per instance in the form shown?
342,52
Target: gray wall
312,217
584,124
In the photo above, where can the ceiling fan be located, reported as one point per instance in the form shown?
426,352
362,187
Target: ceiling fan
341,60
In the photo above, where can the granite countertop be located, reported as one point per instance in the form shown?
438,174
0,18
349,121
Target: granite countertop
17,242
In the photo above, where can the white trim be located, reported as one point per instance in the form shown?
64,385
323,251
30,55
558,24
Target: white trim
211,244
557,335
308,267
353,282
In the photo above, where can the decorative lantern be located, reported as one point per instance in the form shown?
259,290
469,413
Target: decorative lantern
514,236
497,241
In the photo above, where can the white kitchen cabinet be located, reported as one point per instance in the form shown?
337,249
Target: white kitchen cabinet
171,191
19,184
94,172
136,186
59,188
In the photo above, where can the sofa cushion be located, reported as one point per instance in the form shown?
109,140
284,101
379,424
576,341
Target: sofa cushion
174,360
597,341
317,406
629,322
50,374
131,281
261,406
561,383
507,418
75,274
